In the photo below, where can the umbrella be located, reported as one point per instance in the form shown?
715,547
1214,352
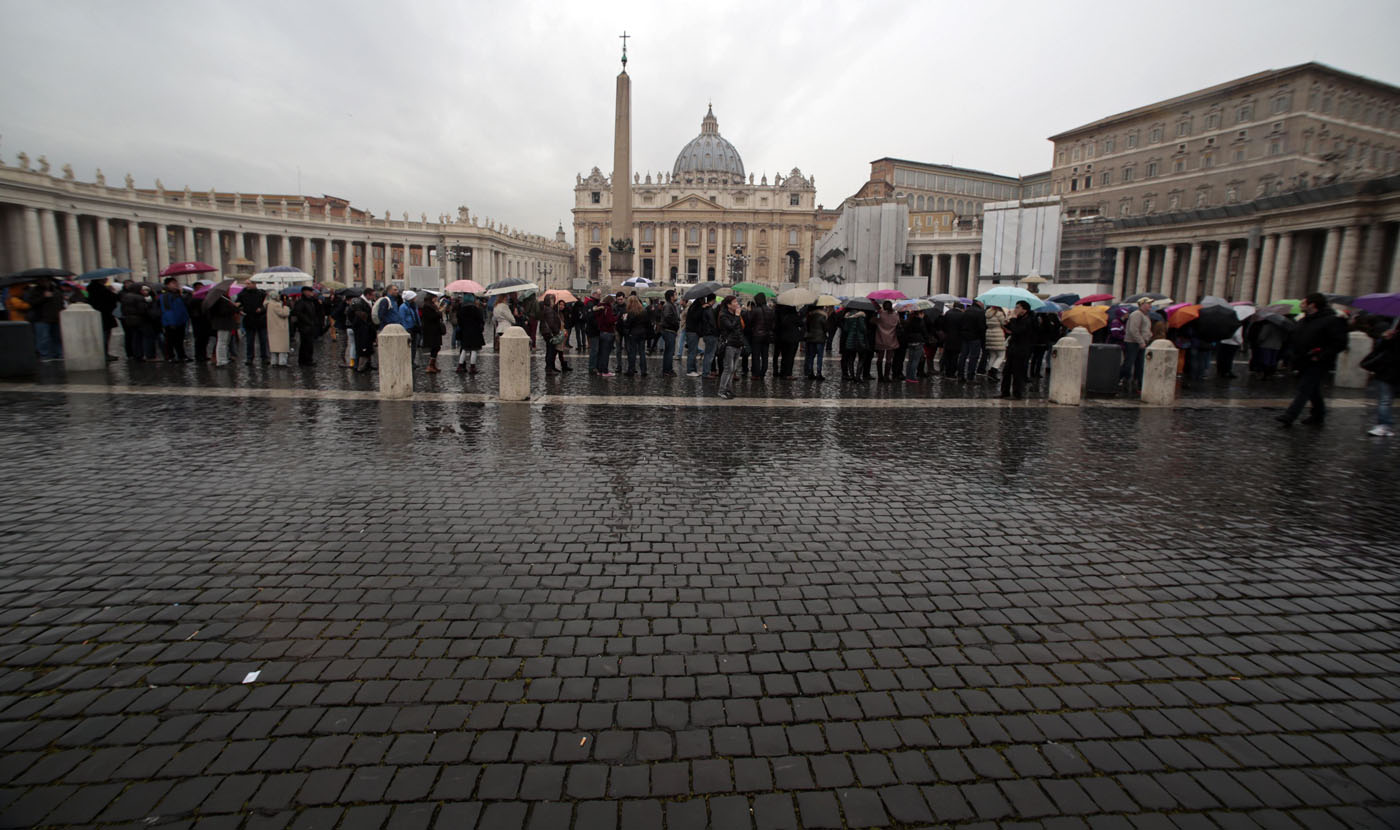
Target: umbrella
655,291
214,292
1386,305
280,273
1275,319
827,301
1340,299
1287,306
1095,298
349,291
557,294
916,305
291,289
1170,308
797,297
1007,296
1052,306
1146,295
510,285
178,268
1092,318
464,287
1065,299
1182,314
862,304
32,275
283,269
702,289
945,298
102,274
333,285
1210,301
637,282
1216,322
753,289
887,294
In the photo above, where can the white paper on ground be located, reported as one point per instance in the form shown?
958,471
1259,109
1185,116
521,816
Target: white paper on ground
252,675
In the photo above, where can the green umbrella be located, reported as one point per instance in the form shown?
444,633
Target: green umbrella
1286,306
753,289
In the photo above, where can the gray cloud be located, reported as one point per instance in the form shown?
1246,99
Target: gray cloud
423,106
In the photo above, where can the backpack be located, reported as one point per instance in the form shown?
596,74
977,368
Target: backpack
387,315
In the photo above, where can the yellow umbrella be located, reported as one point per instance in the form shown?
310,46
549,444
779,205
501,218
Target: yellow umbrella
1091,317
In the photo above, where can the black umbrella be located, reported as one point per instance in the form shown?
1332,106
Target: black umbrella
1146,295
704,289
1275,319
1067,299
862,304
215,292
33,275
1216,322
1340,299
349,292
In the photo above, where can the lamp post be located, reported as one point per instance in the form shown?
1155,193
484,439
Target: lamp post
738,264
543,270
459,255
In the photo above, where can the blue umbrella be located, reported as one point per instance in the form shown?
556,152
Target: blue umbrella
1007,296
102,274
290,290
1065,299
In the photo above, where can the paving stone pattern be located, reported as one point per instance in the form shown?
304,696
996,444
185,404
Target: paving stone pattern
609,617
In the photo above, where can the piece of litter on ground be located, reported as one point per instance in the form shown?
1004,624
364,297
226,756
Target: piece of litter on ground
252,675
583,740
191,637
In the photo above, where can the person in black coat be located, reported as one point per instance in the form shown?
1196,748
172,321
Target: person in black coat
1319,338
471,337
1021,330
104,300
788,333
972,330
951,327
308,318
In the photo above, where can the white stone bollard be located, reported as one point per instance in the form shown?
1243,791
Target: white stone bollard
1086,339
1159,373
1350,375
1068,359
395,370
515,365
81,328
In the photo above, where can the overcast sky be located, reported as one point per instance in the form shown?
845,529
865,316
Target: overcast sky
423,106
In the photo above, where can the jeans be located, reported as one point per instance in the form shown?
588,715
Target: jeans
1385,396
759,361
222,353
1309,391
1013,376
692,344
1133,359
175,343
1225,359
1038,354
816,350
968,359
731,365
605,344
257,339
595,345
911,362
636,348
711,350
668,352
46,339
550,350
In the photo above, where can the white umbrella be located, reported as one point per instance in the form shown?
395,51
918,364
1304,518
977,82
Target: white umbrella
797,297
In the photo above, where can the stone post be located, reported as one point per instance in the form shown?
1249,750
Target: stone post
1350,375
395,371
1086,340
81,328
1068,360
1159,374
515,365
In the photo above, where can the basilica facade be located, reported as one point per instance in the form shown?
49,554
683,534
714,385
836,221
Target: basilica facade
707,219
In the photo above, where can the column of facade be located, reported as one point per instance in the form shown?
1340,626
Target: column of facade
1222,269
1369,271
1267,260
1348,259
49,226
239,249
1193,273
213,249
104,243
1283,266
135,259
33,239
1393,282
323,262
72,243
191,252
1245,290
974,269
1144,280
162,248
1168,281
1119,267
260,253
1328,280
663,252
704,254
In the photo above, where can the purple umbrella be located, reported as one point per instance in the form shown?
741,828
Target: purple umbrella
1387,305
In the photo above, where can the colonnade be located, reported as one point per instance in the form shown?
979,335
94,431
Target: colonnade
771,268
954,273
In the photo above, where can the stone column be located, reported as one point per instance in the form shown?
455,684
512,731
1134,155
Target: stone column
213,249
1251,260
1193,273
1119,267
136,258
395,368
162,248
515,365
239,248
1348,259
1267,260
1168,282
1369,273
974,268
104,243
33,239
1143,283
1069,359
1283,267
191,253
84,346
1222,269
1159,373
260,253
72,244
323,260
1328,279
52,257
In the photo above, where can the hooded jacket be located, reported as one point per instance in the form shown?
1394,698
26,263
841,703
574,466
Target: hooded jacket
1319,338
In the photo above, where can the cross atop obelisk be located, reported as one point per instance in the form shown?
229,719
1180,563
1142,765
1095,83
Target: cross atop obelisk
624,37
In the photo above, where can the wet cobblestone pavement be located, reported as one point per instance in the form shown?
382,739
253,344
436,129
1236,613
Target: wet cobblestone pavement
475,615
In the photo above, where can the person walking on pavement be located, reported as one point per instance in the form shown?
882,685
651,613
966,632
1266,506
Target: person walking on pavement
995,342
815,343
554,334
731,333
104,300
501,319
759,324
359,313
1384,365
1319,338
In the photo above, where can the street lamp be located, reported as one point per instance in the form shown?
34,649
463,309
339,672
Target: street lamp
543,270
459,255
738,264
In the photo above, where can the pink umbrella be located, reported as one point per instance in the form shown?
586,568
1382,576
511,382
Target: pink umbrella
1169,309
887,294
178,268
1095,298
464,287
201,291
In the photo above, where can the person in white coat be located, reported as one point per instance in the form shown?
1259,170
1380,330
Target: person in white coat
279,337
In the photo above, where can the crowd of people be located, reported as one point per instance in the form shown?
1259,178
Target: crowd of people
709,336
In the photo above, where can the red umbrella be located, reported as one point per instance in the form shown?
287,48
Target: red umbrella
1095,298
179,268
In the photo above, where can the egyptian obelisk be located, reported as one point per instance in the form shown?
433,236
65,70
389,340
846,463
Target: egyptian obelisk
621,246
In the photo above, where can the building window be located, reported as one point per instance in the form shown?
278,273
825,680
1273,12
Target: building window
1147,204
692,235
594,234
675,236
1128,173
792,236
596,197
1213,121
1327,104
1060,156
1207,161
1132,140
1088,182
794,200
1183,128
1155,136
1280,104
1244,113
738,236
1076,155
1151,169
1106,178
1073,185
1108,145
710,236
1239,154
1275,148
1178,165
649,234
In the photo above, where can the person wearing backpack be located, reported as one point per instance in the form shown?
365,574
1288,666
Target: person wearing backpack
412,323
253,303
386,309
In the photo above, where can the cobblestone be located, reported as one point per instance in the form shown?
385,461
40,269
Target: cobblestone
586,617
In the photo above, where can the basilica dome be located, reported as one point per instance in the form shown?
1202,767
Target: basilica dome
708,157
